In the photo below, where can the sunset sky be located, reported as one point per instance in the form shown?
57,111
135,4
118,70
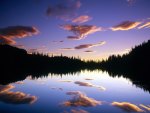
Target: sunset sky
90,29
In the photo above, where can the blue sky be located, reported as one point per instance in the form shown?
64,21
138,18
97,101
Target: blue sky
98,28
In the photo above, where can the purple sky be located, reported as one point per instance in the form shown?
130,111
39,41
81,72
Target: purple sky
91,29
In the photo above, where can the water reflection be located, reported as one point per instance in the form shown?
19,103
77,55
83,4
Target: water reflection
136,78
76,111
128,107
84,92
11,97
145,107
80,99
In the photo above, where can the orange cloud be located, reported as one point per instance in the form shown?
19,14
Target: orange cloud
7,35
65,10
146,25
80,99
15,97
76,111
19,82
145,107
4,88
80,31
128,107
126,25
81,19
83,46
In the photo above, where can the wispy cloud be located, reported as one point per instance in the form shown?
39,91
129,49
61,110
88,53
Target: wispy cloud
87,84
89,51
76,111
128,107
83,46
54,88
80,99
61,41
80,31
65,10
81,19
146,25
65,80
73,38
8,34
15,97
126,25
131,2
89,79
66,49
84,84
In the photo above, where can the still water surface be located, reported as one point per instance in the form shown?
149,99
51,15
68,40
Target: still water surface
83,92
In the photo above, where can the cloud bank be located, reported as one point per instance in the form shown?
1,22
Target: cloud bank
8,34
65,10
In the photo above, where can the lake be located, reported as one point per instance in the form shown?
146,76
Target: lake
81,92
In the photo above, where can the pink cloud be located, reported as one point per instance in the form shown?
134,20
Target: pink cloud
81,19
83,46
126,25
80,31
146,25
8,34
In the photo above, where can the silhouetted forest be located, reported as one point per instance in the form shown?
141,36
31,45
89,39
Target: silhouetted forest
16,64
138,59
135,65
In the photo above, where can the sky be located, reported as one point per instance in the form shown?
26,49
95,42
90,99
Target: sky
90,29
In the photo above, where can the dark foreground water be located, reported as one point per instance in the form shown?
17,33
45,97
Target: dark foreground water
83,92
